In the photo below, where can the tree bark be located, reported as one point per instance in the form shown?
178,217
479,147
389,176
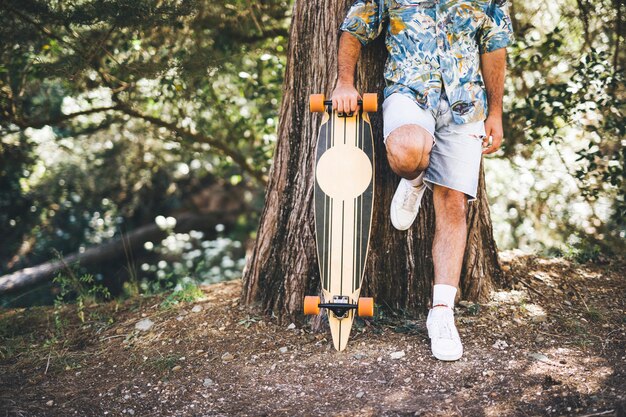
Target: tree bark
283,265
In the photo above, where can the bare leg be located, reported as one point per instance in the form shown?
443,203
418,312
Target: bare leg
408,150
450,234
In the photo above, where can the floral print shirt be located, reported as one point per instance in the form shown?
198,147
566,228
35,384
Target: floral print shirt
434,48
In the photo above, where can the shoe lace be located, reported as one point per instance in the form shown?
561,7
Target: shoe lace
410,197
444,328
444,331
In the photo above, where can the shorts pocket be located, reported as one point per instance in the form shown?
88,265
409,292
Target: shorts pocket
473,130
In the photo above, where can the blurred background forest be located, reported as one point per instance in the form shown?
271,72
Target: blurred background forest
137,136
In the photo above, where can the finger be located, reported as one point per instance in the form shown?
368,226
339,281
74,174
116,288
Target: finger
339,104
346,104
494,146
335,102
487,144
353,103
497,142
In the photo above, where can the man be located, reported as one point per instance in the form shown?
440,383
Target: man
439,115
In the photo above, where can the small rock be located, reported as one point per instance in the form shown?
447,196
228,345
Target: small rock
144,325
131,411
540,357
177,368
207,382
465,304
196,309
283,349
50,403
291,326
500,344
227,357
359,356
407,380
397,355
539,318
540,339
360,394
489,373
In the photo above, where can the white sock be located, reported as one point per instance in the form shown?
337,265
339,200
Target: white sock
417,181
444,294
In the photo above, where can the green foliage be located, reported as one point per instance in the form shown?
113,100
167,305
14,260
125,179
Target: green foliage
563,132
185,293
191,259
249,321
163,363
82,290
132,107
16,162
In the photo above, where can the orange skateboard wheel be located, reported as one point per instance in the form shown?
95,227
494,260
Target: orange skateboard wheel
316,103
311,305
366,307
370,102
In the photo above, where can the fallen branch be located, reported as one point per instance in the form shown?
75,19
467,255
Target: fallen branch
115,249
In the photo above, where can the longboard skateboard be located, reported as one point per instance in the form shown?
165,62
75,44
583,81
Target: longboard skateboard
344,199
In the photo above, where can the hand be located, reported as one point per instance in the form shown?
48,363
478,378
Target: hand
345,98
493,128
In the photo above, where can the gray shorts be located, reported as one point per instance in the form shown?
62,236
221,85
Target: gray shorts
456,154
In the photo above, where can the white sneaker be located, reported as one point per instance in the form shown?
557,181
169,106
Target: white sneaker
406,204
445,341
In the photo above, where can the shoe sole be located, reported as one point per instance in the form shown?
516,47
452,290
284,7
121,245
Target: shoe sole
448,358
394,223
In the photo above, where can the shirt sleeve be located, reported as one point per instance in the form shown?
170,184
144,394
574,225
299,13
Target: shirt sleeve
497,30
365,20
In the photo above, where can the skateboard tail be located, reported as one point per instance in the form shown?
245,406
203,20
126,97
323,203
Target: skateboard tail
340,328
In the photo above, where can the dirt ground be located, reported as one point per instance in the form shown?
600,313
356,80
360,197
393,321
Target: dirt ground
552,346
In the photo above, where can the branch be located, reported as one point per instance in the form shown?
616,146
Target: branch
59,119
266,34
618,36
583,9
39,26
109,251
238,158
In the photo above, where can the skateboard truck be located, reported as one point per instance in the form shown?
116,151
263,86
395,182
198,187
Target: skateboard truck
340,306
369,104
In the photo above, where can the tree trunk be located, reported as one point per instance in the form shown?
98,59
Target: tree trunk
283,265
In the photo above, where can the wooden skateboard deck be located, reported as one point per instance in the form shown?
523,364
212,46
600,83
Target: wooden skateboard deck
344,198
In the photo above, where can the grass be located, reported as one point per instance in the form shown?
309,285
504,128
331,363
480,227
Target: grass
162,363
187,294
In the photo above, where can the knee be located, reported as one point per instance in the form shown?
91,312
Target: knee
408,149
452,204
